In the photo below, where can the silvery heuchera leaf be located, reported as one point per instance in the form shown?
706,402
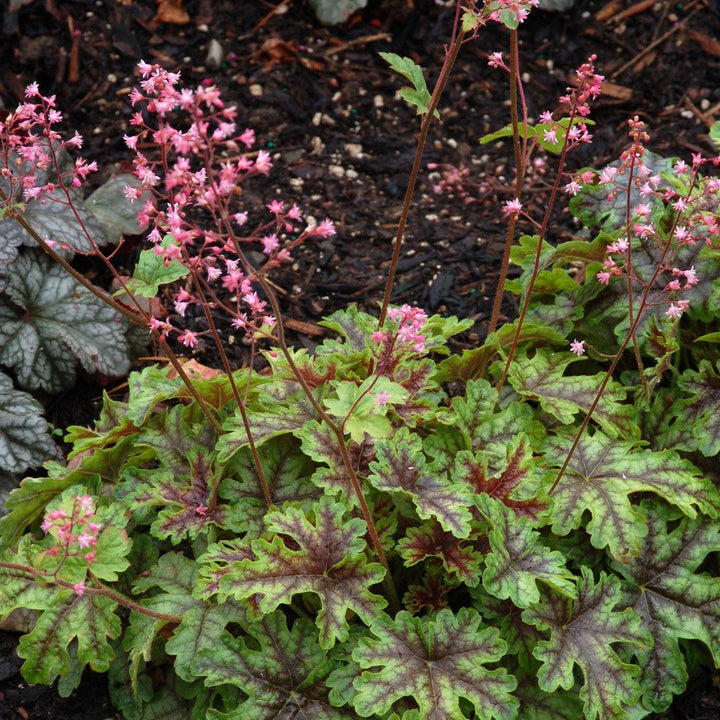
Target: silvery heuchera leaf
281,671
51,215
583,633
601,475
116,214
24,439
436,661
334,12
673,599
49,324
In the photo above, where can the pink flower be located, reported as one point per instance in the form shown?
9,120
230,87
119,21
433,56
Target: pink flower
79,589
382,398
188,338
577,347
512,208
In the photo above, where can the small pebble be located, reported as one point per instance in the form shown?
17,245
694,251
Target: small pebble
354,150
336,170
256,89
378,101
214,56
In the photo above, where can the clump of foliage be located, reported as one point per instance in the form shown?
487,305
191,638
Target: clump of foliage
382,529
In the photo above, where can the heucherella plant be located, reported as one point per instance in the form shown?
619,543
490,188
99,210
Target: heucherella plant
380,528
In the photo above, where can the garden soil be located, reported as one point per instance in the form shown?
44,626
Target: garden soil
324,104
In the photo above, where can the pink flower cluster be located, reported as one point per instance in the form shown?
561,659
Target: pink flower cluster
74,528
30,143
407,333
194,176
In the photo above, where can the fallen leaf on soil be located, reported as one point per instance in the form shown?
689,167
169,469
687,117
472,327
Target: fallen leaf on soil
171,11
709,44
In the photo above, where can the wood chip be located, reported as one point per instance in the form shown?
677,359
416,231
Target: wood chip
305,328
709,44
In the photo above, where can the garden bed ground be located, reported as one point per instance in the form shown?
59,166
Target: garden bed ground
323,103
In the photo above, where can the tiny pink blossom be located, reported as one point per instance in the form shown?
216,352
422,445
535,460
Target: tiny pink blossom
79,589
382,398
577,347
512,207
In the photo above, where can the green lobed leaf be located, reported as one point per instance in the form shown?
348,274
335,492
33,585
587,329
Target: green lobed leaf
152,271
418,95
281,671
603,472
582,633
49,323
326,557
673,599
400,467
518,558
287,472
542,377
436,661
202,624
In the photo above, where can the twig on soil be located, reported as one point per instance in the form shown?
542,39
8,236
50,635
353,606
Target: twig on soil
265,20
680,25
355,42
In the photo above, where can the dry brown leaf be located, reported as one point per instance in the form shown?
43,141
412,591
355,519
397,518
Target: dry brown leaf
171,11
195,369
709,44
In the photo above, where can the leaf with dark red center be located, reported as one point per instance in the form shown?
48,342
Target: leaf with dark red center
430,540
673,599
183,499
582,633
326,557
436,661
515,479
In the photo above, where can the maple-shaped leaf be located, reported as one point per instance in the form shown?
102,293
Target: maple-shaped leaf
358,407
321,444
542,378
326,557
287,472
430,540
436,661
418,95
153,270
603,472
24,438
431,594
515,482
489,429
218,561
518,558
49,323
673,599
146,389
281,671
582,633
401,468
693,419
202,623
183,498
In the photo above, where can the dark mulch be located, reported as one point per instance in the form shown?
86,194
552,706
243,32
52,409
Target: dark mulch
323,102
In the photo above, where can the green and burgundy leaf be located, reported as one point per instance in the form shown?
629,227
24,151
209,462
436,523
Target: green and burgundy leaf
184,500
287,472
88,621
515,485
582,633
436,661
400,467
430,540
431,594
673,599
219,561
321,444
518,558
478,418
281,671
601,475
542,378
325,556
